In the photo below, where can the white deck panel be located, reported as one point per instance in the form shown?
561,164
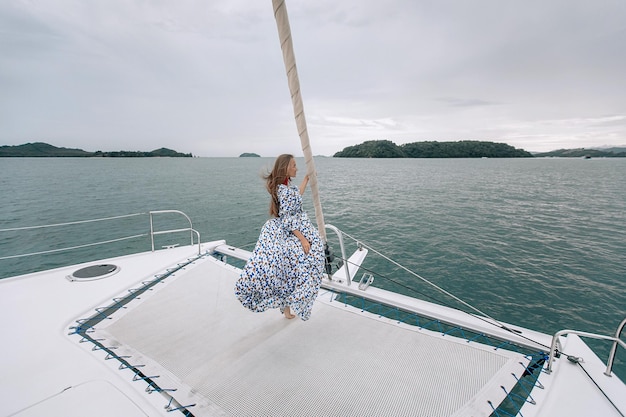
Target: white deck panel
578,383
194,334
41,366
105,400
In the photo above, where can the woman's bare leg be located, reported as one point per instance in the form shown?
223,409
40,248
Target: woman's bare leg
288,314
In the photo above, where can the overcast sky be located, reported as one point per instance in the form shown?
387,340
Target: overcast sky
207,77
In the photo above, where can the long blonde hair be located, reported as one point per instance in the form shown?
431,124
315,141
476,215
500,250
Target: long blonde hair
273,179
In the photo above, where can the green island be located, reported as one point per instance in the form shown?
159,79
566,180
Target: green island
463,149
43,150
432,149
585,153
249,155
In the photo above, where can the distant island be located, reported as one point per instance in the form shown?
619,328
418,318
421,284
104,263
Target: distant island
42,150
585,153
249,155
466,149
460,149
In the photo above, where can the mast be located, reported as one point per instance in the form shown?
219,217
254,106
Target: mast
284,35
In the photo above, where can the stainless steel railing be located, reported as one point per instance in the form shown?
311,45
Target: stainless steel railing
152,233
615,339
343,251
189,229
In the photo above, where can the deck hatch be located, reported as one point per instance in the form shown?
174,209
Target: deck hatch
93,272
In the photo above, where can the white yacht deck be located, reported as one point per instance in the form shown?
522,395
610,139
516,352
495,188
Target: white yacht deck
189,337
193,335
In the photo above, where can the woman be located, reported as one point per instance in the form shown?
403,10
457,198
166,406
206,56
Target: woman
287,263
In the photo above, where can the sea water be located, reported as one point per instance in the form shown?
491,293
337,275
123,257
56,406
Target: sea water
536,242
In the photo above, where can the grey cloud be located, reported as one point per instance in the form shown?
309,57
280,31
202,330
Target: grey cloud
466,102
189,74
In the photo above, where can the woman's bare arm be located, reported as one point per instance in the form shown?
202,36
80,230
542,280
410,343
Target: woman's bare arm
306,245
304,183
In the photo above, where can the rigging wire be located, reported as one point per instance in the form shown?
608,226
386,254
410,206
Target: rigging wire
12,229
72,247
600,389
438,288
482,316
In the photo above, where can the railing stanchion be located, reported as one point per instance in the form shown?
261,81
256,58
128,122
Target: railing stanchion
615,339
190,228
343,251
618,334
151,231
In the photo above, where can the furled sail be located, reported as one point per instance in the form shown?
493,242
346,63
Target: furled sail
284,34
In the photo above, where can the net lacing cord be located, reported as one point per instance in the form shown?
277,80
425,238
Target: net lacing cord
482,316
286,45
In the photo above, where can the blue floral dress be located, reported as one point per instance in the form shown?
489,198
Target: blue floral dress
279,273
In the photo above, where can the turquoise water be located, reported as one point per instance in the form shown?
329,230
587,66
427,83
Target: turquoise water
536,242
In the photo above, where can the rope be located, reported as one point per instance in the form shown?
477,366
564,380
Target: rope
600,388
70,223
286,45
